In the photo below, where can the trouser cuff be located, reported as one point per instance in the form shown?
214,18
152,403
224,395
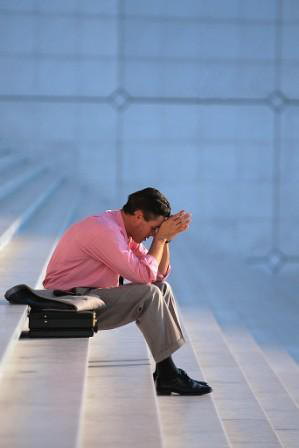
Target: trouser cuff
166,353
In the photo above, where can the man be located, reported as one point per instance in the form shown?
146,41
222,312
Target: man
96,251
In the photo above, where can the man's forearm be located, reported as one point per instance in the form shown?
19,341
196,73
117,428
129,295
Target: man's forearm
157,249
165,260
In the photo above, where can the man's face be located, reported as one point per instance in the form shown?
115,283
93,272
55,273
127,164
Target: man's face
145,229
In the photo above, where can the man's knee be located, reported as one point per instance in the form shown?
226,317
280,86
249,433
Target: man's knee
164,287
153,295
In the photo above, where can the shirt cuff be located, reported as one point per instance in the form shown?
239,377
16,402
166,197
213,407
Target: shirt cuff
161,277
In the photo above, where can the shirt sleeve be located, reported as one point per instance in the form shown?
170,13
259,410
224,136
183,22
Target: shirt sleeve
140,250
161,277
109,246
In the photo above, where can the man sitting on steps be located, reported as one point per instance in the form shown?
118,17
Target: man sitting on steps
92,255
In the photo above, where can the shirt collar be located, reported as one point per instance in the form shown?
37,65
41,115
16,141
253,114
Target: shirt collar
121,223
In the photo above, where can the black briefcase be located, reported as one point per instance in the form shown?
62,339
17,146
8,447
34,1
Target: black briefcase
62,323
61,333
57,313
40,319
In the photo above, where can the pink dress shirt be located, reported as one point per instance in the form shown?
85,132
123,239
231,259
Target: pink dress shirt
95,251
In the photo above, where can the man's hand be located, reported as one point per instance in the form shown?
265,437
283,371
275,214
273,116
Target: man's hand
174,225
169,229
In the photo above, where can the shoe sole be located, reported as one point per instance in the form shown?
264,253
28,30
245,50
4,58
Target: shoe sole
202,383
169,392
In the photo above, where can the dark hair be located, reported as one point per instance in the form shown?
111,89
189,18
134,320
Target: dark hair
150,201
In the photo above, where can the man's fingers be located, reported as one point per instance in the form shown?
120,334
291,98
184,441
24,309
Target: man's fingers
182,219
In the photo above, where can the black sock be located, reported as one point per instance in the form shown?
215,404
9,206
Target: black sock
166,369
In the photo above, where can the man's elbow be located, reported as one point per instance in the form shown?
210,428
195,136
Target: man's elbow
146,276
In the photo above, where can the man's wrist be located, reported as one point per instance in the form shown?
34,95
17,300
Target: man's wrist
161,239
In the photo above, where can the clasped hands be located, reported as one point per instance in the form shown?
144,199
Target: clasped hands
174,225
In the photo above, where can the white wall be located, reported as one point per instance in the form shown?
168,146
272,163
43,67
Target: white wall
199,98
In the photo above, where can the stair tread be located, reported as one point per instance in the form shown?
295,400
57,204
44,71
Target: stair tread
243,358
10,162
19,201
23,260
191,421
120,392
18,170
44,393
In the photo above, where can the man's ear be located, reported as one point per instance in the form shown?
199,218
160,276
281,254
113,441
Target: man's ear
138,215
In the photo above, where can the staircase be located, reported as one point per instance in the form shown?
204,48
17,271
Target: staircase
240,323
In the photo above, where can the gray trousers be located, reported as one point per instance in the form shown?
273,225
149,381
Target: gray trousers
152,307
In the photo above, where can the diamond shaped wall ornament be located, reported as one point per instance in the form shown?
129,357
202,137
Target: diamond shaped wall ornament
119,98
277,100
275,260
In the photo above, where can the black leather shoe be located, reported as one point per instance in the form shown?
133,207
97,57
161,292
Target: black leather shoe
182,384
181,372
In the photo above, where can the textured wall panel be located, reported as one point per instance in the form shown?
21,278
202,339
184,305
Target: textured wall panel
290,76
57,6
202,79
20,122
17,5
185,96
144,122
58,122
290,146
97,37
144,38
56,35
216,9
290,10
174,165
96,165
200,123
98,7
95,122
75,6
96,77
290,37
252,237
17,75
16,34
57,77
288,236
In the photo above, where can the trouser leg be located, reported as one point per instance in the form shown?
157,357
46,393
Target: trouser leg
170,301
152,306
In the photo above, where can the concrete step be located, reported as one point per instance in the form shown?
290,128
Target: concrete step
216,297
10,182
242,416
43,389
19,206
273,397
10,162
120,390
191,421
120,407
19,169
284,366
23,259
4,150
41,393
93,206
235,404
